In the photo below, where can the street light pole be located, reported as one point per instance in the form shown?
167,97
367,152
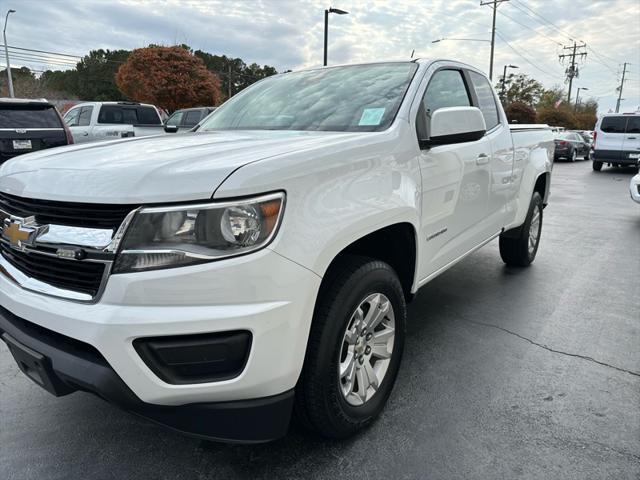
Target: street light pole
504,79
6,53
578,96
326,28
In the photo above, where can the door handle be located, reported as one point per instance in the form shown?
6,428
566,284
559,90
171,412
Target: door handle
631,138
482,159
85,134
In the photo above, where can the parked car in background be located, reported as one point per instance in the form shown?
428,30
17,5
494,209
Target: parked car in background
186,118
570,146
98,121
616,140
212,280
634,188
29,125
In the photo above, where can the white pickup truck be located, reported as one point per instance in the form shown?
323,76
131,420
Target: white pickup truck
98,121
217,281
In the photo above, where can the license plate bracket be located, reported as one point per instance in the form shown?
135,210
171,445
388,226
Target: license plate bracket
37,367
22,145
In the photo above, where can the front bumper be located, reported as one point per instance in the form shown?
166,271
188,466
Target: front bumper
262,293
64,365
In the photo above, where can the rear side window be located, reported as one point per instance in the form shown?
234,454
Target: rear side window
633,125
613,124
148,116
192,118
128,115
28,117
446,89
486,100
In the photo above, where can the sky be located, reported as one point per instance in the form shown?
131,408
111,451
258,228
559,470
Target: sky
288,34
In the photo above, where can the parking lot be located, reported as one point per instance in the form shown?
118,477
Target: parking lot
531,373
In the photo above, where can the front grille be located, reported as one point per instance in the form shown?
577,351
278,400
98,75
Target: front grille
87,215
78,276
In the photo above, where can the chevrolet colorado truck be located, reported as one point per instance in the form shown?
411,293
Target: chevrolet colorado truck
218,281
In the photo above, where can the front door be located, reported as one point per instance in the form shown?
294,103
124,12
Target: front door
455,181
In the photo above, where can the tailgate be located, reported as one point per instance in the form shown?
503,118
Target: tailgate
18,141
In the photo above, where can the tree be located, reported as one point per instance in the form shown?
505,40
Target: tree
520,113
169,77
551,97
234,73
561,117
520,88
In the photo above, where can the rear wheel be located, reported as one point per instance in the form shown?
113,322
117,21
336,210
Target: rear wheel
518,247
597,166
354,349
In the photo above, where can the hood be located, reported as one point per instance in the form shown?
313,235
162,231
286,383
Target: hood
164,168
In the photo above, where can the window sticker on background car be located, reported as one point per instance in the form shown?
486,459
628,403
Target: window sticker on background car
371,116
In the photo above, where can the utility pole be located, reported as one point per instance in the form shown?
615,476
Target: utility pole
572,71
229,82
494,4
504,81
624,71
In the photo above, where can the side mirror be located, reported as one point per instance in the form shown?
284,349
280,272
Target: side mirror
171,128
455,125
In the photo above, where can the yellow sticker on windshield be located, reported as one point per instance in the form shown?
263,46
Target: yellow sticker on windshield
371,116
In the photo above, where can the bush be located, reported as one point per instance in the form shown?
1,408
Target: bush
557,118
519,112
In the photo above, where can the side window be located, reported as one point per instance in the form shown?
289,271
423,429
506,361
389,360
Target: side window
192,118
84,119
110,114
633,125
148,116
71,117
613,124
486,100
175,119
446,89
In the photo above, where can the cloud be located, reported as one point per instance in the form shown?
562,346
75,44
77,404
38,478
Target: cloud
288,34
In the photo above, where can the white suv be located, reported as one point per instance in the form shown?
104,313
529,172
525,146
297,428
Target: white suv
616,140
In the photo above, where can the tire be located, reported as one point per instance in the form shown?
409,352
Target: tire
323,403
597,166
573,156
518,247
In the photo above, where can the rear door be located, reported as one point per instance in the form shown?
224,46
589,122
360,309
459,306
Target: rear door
610,139
500,189
28,127
631,145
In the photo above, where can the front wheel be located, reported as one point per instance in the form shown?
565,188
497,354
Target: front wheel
574,155
518,247
597,166
354,349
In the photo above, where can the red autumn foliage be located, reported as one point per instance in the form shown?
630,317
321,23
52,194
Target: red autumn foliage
168,77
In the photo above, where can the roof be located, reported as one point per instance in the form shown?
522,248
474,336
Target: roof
19,101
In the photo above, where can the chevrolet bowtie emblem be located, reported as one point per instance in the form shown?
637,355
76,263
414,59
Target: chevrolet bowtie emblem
22,232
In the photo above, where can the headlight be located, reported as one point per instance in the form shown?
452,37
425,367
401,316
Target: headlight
163,237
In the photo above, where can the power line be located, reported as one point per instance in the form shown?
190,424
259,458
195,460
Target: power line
530,28
546,72
549,22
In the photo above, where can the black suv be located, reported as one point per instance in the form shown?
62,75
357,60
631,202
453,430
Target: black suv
30,125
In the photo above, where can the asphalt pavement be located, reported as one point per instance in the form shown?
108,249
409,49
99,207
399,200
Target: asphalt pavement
507,373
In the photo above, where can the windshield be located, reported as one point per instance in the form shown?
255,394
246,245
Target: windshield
353,98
